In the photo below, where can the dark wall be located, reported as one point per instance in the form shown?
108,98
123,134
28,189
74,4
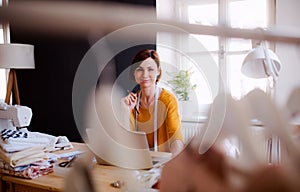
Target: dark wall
47,89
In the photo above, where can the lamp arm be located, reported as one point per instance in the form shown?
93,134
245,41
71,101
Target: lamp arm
275,69
270,68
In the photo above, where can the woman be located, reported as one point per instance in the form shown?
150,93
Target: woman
154,110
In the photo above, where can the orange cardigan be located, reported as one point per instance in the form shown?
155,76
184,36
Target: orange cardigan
169,127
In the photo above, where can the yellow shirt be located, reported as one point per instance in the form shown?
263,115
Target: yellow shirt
168,121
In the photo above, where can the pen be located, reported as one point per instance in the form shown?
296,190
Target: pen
129,92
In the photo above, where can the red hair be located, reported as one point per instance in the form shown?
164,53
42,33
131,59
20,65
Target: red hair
143,55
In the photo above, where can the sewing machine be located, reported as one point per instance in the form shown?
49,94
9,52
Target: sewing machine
12,116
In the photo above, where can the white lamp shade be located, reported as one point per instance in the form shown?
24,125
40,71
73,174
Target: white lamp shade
255,65
16,56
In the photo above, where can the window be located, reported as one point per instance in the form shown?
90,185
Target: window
227,53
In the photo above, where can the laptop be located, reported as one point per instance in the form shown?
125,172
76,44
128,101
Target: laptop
126,149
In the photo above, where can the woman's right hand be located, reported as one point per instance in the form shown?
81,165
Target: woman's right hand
130,100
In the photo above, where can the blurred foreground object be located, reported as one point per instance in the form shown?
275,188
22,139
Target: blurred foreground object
190,171
79,178
205,166
58,17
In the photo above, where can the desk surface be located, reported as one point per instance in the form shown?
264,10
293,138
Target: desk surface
102,177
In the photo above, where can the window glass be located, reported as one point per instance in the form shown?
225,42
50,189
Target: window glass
205,14
204,77
211,43
235,44
241,15
248,13
245,14
240,84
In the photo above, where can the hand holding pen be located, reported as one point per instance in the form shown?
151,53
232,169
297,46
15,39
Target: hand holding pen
131,99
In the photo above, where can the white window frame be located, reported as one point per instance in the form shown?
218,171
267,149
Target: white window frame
180,13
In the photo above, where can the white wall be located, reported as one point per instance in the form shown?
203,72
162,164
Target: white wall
287,16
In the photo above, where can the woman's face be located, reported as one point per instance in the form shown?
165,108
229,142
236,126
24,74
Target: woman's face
146,73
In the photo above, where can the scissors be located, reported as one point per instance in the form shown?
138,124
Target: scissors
67,163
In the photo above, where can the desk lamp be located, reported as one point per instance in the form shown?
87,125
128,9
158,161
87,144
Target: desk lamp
15,56
262,62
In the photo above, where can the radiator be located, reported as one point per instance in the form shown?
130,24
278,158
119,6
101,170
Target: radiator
189,130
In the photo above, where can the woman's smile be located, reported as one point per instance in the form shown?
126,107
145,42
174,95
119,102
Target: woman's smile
145,80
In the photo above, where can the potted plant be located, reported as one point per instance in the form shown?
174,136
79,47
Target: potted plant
181,84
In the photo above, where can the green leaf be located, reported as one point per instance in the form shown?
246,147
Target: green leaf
181,84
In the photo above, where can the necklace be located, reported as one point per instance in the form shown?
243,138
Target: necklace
154,118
